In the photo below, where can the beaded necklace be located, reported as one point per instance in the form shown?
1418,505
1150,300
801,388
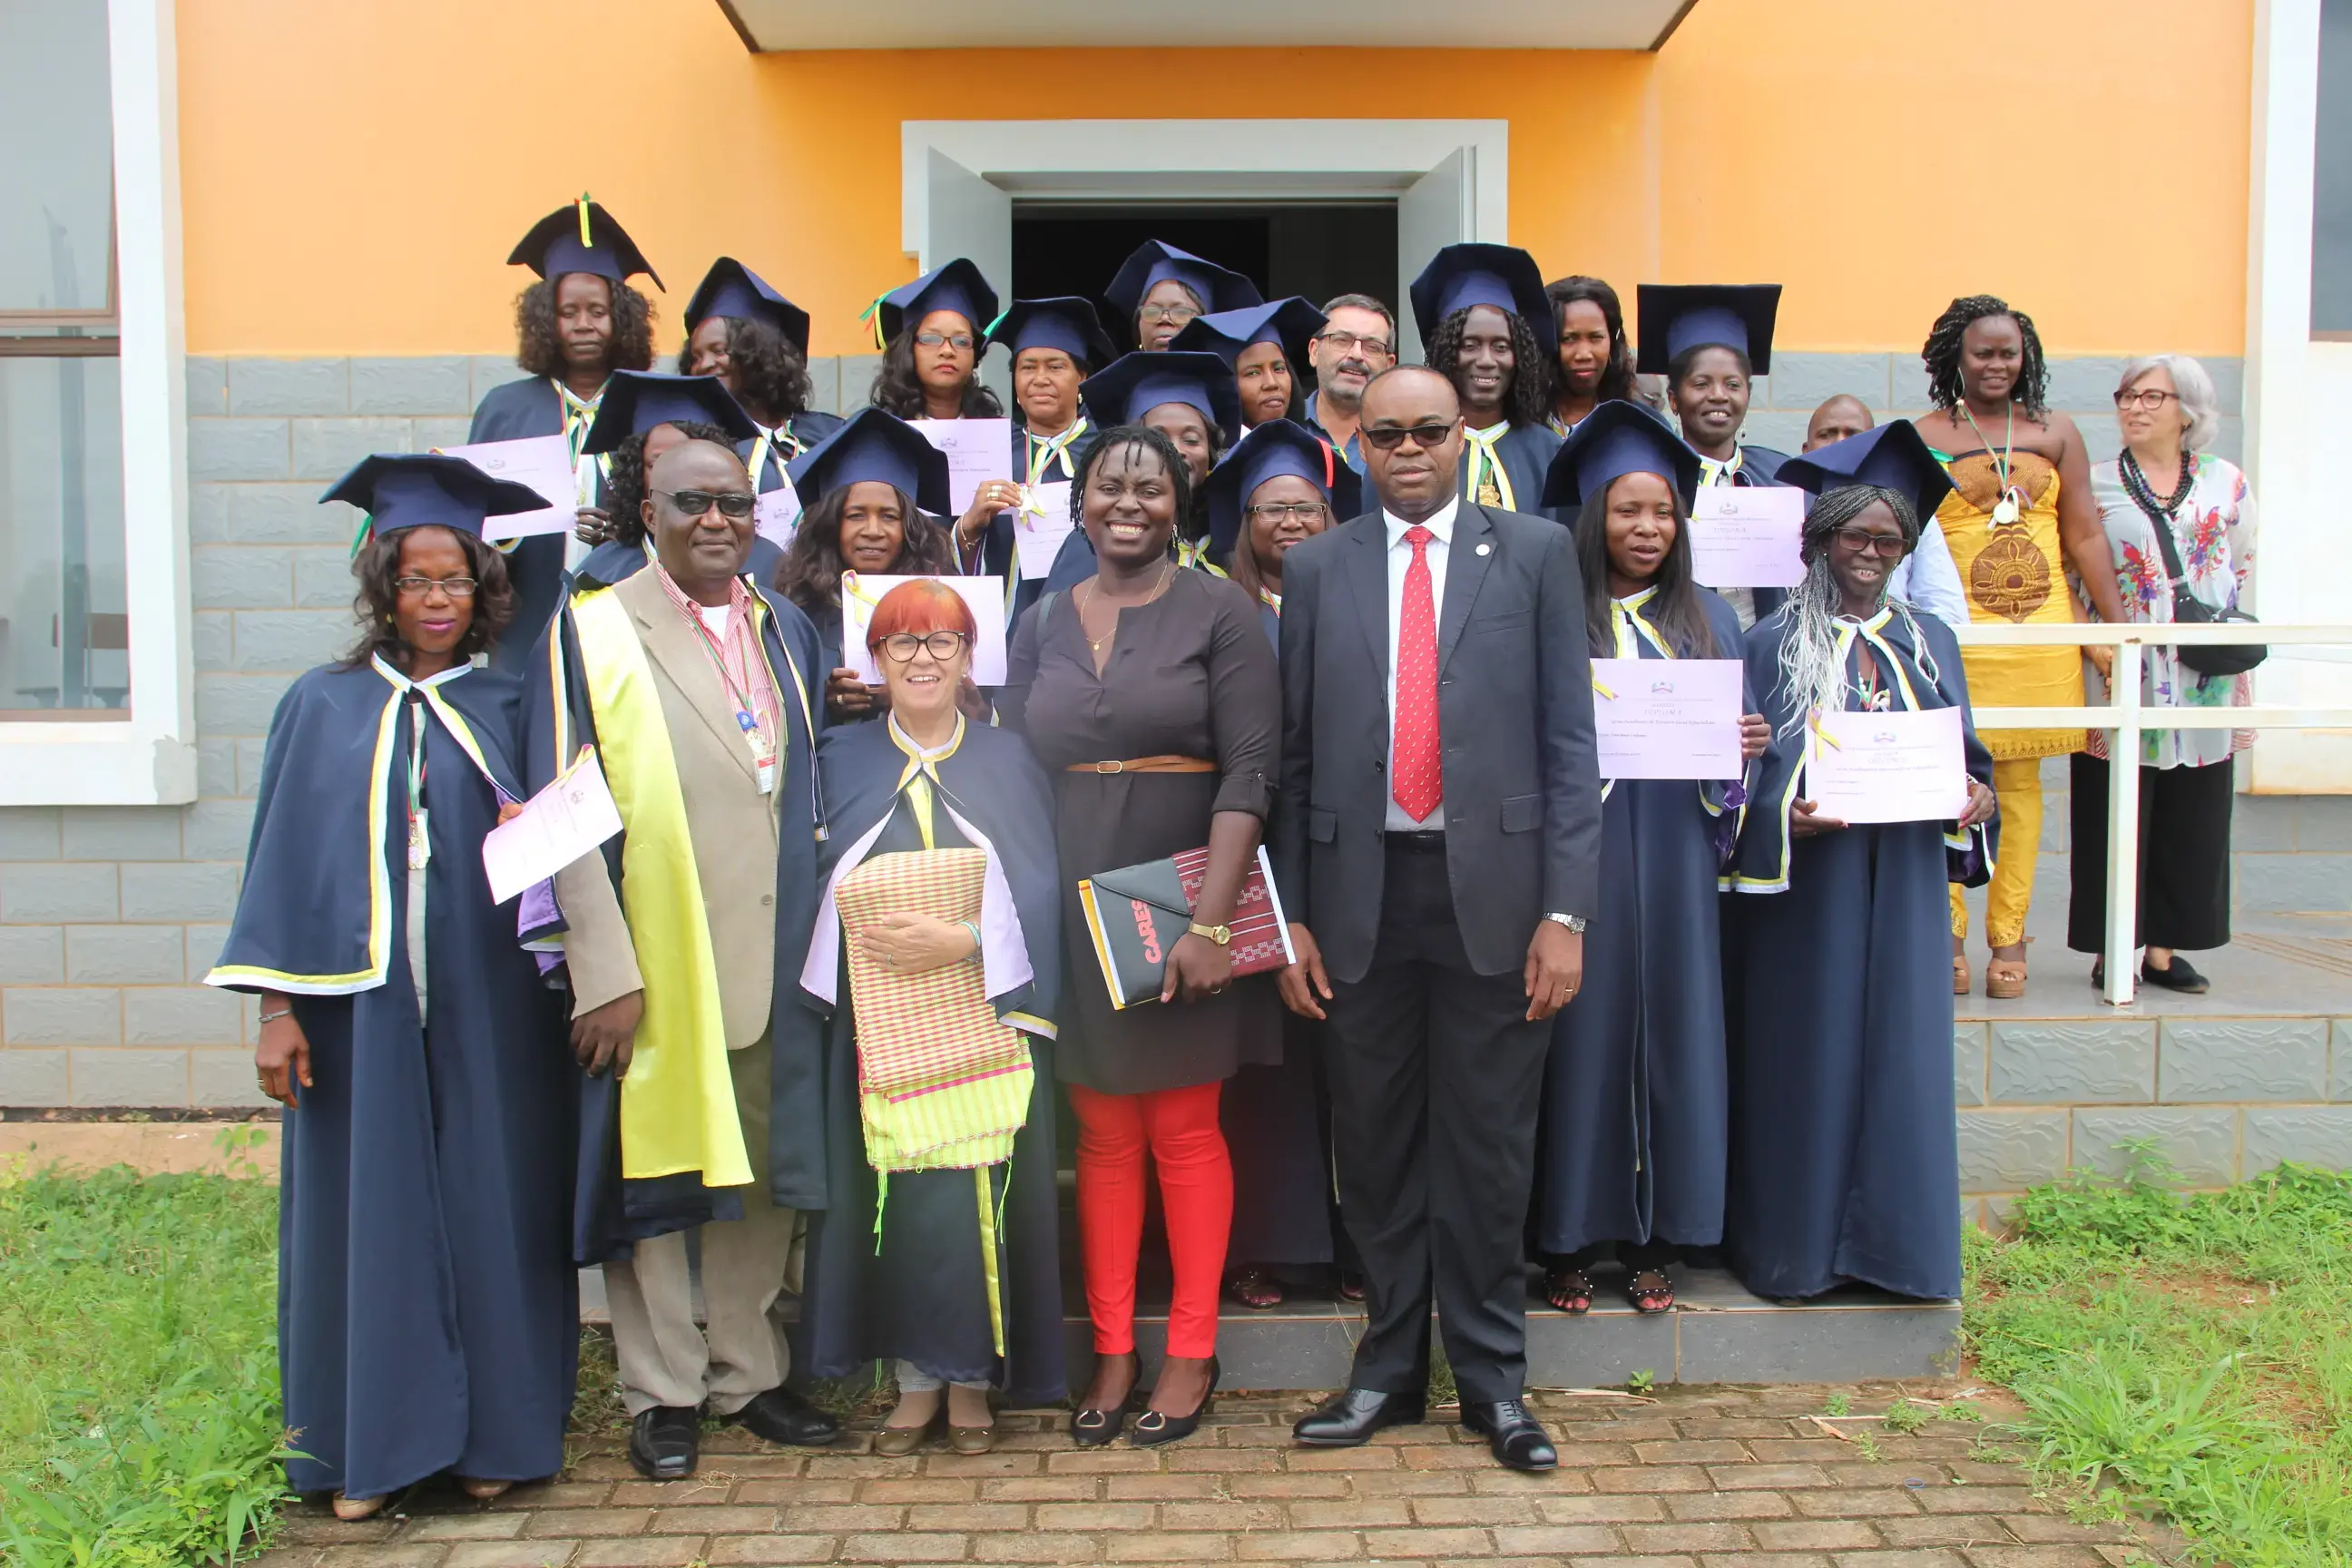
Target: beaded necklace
2161,509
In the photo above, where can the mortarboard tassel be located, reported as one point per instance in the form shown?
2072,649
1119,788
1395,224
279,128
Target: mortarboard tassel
873,314
581,203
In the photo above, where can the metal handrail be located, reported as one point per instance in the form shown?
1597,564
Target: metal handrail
2127,717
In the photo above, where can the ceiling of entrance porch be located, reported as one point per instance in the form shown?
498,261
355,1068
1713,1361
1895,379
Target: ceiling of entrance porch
777,24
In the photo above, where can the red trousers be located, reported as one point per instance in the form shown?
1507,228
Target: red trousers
1179,1128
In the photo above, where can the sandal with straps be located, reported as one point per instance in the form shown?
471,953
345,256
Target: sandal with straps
1254,1287
1569,1290
2005,978
1650,1300
1962,980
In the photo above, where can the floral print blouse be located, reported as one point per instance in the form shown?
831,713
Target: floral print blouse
2213,533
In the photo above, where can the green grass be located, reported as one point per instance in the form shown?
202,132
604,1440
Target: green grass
139,1419
2191,1355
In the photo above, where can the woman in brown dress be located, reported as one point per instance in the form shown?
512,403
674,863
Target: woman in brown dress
1165,671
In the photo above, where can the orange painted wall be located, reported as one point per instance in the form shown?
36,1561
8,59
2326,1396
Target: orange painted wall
353,174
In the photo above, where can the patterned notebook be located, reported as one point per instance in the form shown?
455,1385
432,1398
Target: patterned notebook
1136,913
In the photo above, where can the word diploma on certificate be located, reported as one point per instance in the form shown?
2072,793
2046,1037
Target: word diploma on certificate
542,462
1888,767
1747,536
1668,718
978,450
862,595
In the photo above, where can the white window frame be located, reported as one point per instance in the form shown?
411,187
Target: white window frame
148,758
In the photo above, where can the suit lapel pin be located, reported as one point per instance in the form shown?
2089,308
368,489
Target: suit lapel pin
1486,549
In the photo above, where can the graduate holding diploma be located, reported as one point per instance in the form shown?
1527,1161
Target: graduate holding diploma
1843,1158
1635,1094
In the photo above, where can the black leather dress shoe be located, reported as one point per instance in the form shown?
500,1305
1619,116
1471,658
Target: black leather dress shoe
1355,1416
782,1416
665,1442
1518,1439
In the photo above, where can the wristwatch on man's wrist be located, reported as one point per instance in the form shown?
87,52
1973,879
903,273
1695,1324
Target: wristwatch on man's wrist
1222,935
1575,923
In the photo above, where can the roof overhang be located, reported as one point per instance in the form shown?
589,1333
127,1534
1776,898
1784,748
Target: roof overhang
795,24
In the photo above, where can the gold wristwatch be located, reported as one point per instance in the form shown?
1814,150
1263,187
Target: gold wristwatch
1222,935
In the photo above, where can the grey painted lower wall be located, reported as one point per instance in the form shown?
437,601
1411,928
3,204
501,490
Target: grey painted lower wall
108,917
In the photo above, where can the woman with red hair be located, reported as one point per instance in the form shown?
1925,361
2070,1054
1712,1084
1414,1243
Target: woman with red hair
938,953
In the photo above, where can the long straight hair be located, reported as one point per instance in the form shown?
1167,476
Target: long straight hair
1675,611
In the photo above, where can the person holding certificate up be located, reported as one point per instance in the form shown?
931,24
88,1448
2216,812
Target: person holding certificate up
871,492
932,332
1645,1034
937,953
427,1312
1056,344
1844,1164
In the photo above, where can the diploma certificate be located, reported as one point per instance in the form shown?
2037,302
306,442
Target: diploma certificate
542,462
1668,718
778,516
1888,767
860,596
567,819
977,450
1040,526
1747,536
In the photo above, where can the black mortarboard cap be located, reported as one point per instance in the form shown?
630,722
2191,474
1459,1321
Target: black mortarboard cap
1893,456
581,236
958,286
732,289
877,445
1503,276
1619,439
1155,261
1225,333
1134,384
1066,323
418,490
1671,318
634,401
1276,448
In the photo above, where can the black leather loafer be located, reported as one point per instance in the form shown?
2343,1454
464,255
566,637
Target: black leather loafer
1518,1439
782,1416
666,1442
2180,976
1352,1419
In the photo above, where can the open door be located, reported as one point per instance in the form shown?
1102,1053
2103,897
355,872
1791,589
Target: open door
1439,209
969,218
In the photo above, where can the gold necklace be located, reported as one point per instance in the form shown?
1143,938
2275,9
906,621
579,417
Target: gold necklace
1094,645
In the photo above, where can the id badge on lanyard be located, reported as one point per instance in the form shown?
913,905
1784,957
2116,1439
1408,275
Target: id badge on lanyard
763,753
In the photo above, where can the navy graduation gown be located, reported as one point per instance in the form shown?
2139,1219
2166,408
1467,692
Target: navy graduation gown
1635,1088
612,1214
428,1318
1845,1162
1527,452
920,1293
514,411
1032,462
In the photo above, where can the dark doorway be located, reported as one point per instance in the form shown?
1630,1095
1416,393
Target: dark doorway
1314,250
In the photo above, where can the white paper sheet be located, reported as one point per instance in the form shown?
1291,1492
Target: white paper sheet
860,594
1748,537
542,462
1668,718
1888,767
567,819
1040,526
778,516
977,450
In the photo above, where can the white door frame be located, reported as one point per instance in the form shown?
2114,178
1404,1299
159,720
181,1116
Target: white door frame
1201,161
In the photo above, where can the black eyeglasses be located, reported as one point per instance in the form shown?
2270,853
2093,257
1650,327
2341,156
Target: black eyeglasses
943,645
694,503
1389,437
456,587
1862,540
937,340
1281,512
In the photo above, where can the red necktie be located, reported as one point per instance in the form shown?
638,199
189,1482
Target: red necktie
1419,782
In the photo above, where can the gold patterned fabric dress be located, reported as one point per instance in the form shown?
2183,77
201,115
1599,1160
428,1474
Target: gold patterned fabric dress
2014,573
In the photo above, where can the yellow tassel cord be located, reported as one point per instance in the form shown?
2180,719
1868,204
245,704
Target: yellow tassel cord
873,314
988,1253
585,242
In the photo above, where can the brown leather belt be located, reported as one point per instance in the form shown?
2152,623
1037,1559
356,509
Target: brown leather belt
1164,764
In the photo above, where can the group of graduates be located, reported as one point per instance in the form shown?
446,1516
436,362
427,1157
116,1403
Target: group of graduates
1527,1009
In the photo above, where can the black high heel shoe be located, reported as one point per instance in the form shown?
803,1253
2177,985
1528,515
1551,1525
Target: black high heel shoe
1093,1428
1153,1428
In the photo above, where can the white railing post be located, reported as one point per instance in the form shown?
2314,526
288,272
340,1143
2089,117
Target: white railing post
2122,825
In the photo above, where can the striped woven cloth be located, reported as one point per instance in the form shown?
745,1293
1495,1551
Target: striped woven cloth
942,1084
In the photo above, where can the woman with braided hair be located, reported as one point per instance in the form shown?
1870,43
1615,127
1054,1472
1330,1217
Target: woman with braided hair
1492,333
1843,1162
2020,516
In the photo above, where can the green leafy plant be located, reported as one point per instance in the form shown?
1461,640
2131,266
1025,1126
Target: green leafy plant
1837,1404
1642,1382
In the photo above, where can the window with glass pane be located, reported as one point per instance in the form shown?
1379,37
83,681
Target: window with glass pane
63,626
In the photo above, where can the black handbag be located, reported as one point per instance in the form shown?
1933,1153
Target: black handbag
2188,610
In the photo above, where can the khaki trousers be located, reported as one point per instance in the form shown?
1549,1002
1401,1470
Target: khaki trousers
664,1358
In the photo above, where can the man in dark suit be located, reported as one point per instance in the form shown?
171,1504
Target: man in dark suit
1437,830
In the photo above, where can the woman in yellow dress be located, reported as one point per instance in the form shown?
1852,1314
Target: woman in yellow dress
2020,516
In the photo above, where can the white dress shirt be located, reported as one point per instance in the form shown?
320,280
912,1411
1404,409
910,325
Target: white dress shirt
1927,578
1441,526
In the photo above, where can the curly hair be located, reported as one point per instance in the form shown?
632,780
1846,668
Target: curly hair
897,389
770,372
1674,611
810,573
1528,399
625,478
1127,439
378,563
539,346
1941,354
1617,376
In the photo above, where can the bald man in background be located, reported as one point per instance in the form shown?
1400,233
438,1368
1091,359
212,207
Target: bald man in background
1927,577
1842,415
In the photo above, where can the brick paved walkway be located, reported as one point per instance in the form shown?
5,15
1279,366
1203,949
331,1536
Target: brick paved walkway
1702,1478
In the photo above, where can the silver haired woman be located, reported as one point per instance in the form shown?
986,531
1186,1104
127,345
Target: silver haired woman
2166,479
1843,1158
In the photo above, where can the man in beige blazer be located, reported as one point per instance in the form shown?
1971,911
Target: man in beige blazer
729,665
